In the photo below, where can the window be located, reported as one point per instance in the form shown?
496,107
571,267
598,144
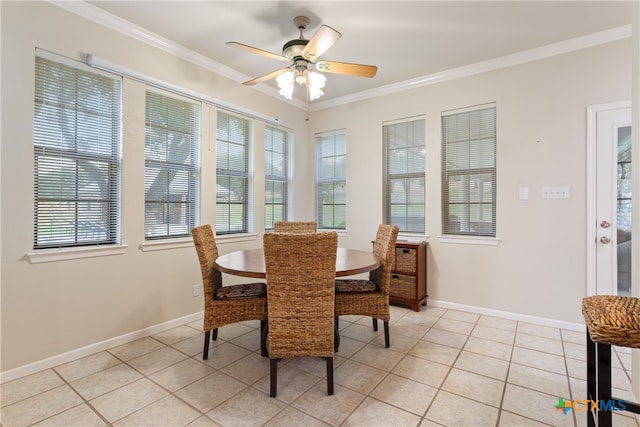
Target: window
404,174
331,167
469,171
276,162
232,174
76,156
172,132
624,180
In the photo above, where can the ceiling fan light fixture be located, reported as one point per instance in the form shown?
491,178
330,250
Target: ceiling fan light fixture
301,78
315,83
285,83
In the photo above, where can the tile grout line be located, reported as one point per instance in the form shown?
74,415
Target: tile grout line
68,383
439,389
387,371
506,376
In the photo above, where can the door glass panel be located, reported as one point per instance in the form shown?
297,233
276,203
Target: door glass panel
623,211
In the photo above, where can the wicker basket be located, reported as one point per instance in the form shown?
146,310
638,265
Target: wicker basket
406,260
403,286
613,319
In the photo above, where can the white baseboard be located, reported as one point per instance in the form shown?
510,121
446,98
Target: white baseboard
145,332
78,353
578,327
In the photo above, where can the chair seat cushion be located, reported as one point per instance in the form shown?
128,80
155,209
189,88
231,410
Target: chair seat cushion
247,290
354,286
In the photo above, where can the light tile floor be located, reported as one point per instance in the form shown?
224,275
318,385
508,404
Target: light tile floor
444,367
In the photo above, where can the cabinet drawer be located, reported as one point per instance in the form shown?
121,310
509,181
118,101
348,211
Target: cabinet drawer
406,260
403,286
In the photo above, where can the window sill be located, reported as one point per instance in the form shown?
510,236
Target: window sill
161,245
412,237
470,240
63,254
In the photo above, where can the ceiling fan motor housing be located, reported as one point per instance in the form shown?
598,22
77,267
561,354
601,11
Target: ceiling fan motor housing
293,48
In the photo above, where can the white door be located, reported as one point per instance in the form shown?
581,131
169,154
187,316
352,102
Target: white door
611,224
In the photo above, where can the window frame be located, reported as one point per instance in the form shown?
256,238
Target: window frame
477,138
334,181
389,176
165,160
79,145
274,179
244,176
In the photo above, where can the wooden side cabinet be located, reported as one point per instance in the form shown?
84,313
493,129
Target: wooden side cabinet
409,275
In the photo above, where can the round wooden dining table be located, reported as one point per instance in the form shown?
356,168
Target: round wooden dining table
250,262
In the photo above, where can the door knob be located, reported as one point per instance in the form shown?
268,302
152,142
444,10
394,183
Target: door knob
605,224
605,239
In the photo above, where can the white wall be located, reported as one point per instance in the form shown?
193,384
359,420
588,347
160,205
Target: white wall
538,268
55,307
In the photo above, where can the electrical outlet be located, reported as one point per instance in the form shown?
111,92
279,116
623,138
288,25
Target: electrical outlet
555,192
196,290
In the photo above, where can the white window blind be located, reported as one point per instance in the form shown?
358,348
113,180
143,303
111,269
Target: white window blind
404,174
232,174
76,156
171,178
276,160
469,171
331,172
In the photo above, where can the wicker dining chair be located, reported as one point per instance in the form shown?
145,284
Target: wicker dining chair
224,304
301,271
295,227
371,297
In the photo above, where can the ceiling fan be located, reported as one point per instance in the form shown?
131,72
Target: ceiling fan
301,53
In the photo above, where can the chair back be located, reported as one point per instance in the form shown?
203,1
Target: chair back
300,276
295,227
384,247
207,250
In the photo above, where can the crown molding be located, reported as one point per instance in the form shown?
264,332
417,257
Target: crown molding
99,16
93,13
590,40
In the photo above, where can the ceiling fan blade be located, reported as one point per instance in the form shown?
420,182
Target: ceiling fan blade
258,51
358,70
271,75
322,40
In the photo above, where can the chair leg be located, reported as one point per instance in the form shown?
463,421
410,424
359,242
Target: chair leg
274,377
214,334
329,376
336,335
264,333
205,351
386,334
375,324
591,380
603,368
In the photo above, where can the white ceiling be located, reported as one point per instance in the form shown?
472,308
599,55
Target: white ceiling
406,40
